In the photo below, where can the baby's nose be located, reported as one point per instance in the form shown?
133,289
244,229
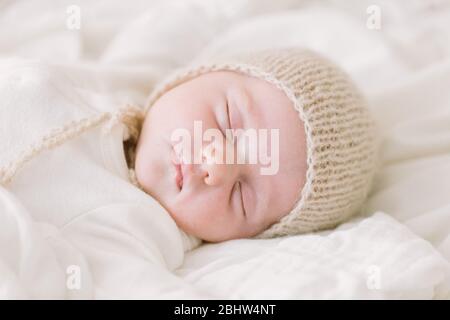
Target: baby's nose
217,171
219,174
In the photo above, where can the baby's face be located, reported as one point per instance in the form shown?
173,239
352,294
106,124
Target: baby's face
215,200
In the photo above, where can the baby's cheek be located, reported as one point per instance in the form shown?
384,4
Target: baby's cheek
192,214
205,217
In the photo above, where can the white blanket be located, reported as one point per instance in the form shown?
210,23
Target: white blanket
400,249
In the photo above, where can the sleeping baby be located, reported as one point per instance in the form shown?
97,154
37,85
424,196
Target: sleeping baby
256,145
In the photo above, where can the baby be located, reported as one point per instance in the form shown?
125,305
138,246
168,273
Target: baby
263,144
259,145
315,131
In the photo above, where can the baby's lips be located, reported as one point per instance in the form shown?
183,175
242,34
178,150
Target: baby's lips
179,176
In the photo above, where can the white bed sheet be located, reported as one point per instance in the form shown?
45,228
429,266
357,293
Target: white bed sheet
401,249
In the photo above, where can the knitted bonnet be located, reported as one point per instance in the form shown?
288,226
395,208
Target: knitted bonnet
340,134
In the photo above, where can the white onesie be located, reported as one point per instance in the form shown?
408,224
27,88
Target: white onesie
75,202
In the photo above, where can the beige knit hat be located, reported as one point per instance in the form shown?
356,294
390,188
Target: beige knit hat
340,134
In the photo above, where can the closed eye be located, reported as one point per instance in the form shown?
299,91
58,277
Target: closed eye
242,199
227,108
228,134
223,119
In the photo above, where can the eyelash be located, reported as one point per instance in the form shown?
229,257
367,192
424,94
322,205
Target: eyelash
227,109
239,184
242,199
228,124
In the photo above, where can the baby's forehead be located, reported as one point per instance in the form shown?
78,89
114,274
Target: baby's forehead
269,107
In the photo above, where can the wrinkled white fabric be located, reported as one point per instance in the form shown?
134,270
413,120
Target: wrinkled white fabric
71,211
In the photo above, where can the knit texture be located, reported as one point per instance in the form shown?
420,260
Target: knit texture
340,133
129,115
